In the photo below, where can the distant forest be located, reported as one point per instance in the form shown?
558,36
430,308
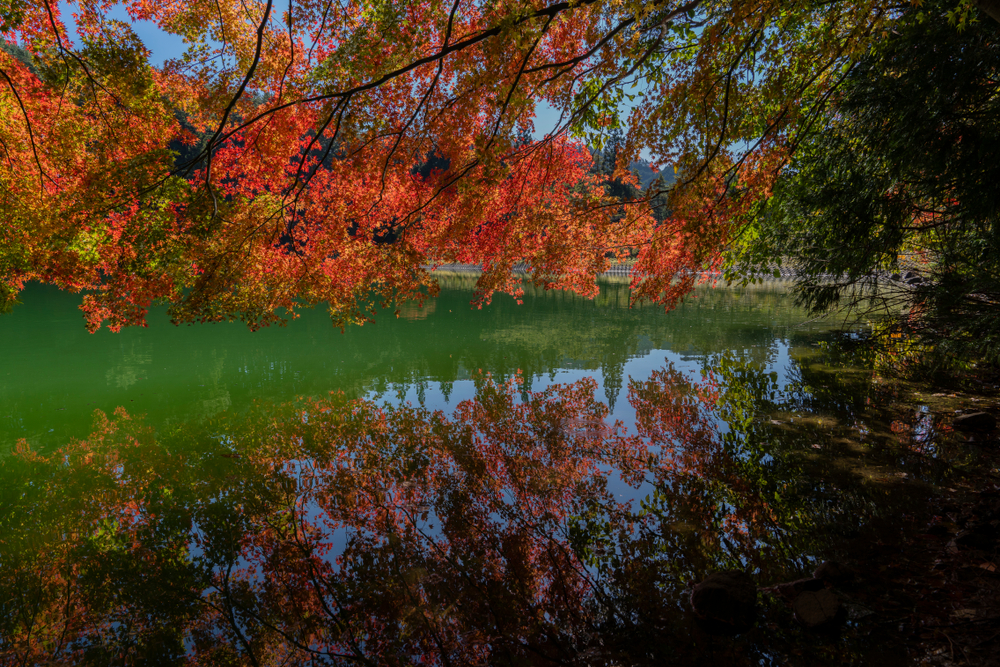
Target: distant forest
655,183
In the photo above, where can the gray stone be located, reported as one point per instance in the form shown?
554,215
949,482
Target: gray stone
975,421
816,608
728,598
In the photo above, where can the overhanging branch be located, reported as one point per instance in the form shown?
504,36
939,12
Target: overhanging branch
991,8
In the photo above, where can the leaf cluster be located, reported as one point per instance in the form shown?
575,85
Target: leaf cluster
899,175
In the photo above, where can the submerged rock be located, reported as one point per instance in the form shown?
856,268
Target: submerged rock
975,421
815,609
727,600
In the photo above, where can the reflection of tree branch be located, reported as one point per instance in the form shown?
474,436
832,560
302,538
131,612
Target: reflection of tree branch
307,552
29,620
484,594
231,615
66,613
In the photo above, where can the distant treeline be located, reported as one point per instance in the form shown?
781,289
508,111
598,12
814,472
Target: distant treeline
653,184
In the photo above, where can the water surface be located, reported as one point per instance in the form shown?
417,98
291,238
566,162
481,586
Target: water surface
534,484
54,374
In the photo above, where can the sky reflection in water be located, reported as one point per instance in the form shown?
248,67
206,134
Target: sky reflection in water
235,523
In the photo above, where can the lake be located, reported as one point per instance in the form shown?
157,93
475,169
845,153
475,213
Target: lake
55,374
522,484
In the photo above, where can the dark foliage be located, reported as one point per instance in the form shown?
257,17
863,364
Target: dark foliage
901,174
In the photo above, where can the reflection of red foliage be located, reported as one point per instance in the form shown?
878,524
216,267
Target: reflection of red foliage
335,528
460,522
675,415
680,419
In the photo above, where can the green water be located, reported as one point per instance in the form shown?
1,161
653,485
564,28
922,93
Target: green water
53,374
464,498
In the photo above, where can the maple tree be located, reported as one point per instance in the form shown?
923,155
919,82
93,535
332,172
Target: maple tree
321,152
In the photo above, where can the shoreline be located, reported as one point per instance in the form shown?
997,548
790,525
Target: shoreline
620,271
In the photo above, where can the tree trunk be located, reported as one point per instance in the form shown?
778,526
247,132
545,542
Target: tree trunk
990,7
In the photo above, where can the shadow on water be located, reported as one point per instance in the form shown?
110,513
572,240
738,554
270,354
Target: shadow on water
522,526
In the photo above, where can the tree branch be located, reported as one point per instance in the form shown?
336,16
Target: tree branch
31,134
991,8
